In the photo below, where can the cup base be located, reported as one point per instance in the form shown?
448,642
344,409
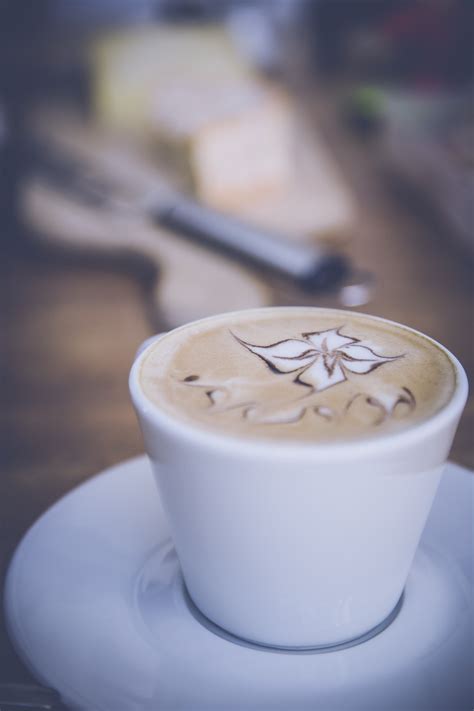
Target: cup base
281,649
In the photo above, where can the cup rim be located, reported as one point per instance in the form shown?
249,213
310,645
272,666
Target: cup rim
338,449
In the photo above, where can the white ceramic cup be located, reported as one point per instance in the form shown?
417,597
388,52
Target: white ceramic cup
294,545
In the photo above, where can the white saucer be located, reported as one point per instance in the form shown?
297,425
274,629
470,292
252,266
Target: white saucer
96,609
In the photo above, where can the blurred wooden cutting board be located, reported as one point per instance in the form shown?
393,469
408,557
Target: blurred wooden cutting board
192,281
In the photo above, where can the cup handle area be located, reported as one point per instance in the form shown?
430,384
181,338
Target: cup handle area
147,343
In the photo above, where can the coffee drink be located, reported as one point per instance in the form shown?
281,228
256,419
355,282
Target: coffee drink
297,452
304,374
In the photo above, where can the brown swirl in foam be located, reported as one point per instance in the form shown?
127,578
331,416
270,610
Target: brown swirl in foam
321,359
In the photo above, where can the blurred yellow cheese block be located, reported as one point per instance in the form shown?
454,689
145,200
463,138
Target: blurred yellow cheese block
217,130
220,130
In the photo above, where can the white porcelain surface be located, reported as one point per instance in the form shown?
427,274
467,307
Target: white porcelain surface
95,607
333,527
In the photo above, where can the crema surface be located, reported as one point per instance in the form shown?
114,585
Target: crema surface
303,374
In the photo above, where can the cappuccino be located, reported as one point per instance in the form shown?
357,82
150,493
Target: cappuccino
303,374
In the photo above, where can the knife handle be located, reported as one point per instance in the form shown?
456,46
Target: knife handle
310,266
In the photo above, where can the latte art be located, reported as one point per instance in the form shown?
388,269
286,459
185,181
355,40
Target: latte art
304,374
322,358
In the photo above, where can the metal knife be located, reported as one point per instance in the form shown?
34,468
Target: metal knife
311,267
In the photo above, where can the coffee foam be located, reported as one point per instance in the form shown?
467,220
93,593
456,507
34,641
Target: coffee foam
298,374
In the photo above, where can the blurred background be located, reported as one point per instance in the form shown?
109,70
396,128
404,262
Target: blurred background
163,160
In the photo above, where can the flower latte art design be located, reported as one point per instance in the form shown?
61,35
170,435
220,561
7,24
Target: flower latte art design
323,358
296,373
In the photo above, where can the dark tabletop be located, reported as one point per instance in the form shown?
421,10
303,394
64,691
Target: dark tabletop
71,329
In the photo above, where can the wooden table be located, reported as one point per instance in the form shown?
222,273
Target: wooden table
72,329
